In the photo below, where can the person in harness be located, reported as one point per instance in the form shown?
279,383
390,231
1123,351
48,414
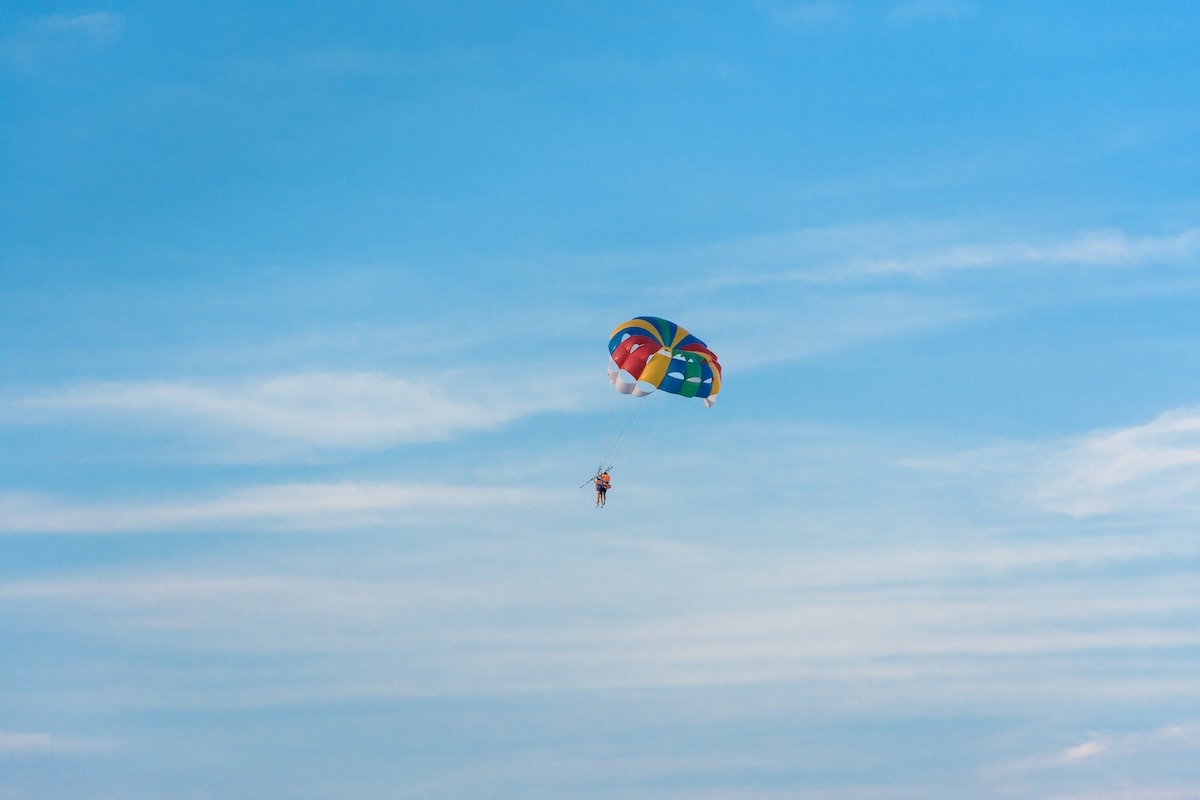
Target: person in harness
603,481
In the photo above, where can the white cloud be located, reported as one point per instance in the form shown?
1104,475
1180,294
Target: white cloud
1153,468
791,14
859,253
303,506
929,9
814,326
1141,791
58,37
775,298
315,410
12,742
15,744
1143,468
97,25
806,14
1174,740
1085,750
473,617
248,612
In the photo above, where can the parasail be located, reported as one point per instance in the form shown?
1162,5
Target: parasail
651,353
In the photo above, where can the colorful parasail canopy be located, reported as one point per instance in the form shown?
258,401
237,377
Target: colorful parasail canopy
651,353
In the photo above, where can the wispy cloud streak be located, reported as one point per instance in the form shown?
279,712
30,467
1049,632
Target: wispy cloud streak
97,25
1143,468
788,296
844,254
1174,739
928,9
804,14
304,506
59,36
919,620
12,742
1153,468
318,410
17,744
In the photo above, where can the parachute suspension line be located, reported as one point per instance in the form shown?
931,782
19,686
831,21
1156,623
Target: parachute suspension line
619,442
606,431
648,428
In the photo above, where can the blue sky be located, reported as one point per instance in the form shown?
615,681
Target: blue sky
304,312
